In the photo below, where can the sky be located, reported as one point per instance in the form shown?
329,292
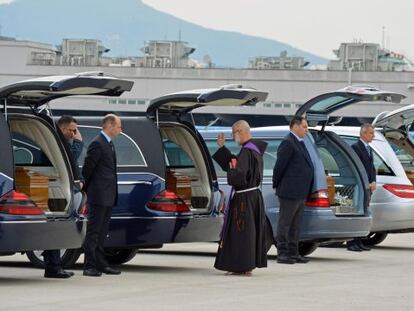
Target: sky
317,26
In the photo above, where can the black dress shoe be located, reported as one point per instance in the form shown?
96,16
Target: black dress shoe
91,272
363,247
285,259
61,274
300,259
109,270
354,248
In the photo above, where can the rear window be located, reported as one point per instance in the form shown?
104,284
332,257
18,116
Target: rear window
381,167
27,152
406,159
269,157
329,103
175,156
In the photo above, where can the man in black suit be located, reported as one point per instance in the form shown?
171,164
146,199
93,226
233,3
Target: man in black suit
99,172
292,180
69,128
364,152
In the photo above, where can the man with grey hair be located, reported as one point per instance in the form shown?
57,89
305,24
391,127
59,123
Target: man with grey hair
245,237
99,172
364,152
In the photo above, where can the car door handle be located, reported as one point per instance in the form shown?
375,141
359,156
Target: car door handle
136,182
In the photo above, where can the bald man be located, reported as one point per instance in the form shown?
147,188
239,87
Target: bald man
99,172
245,236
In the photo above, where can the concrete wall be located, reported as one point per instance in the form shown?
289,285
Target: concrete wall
283,86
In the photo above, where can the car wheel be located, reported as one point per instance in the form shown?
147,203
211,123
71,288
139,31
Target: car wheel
374,239
68,257
116,256
307,248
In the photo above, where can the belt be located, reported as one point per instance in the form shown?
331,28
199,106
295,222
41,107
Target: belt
248,190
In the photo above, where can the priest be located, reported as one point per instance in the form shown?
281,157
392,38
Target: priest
246,235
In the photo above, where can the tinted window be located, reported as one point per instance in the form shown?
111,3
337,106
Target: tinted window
176,156
406,159
28,153
269,158
329,103
127,151
381,167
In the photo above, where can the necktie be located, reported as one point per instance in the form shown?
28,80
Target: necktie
369,150
113,150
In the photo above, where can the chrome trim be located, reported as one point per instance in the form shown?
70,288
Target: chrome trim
138,182
8,177
38,221
141,173
127,136
156,217
24,143
23,222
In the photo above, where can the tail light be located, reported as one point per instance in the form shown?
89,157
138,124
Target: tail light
402,191
16,203
167,201
319,199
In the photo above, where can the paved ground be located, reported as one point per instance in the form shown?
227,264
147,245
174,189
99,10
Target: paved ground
183,279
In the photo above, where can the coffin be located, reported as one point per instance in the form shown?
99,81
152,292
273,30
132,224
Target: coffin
34,185
180,185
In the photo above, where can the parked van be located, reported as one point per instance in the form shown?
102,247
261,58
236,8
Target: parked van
167,184
338,208
41,206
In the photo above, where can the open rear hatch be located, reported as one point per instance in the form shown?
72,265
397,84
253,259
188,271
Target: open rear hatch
396,129
321,107
36,92
190,170
343,191
44,178
183,102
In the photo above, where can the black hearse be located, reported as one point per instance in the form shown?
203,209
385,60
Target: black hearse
41,206
167,184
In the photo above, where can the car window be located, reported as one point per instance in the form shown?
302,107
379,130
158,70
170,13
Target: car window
213,147
269,157
175,156
27,152
329,103
380,166
406,159
128,152
329,163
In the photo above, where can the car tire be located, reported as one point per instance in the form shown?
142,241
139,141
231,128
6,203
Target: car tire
68,257
307,248
374,239
117,256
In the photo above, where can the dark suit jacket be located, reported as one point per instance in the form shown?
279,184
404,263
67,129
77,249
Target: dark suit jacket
293,171
366,159
99,172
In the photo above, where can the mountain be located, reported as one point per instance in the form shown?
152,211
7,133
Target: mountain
124,25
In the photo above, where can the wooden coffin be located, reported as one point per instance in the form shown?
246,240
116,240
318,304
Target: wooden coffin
34,185
330,181
180,185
